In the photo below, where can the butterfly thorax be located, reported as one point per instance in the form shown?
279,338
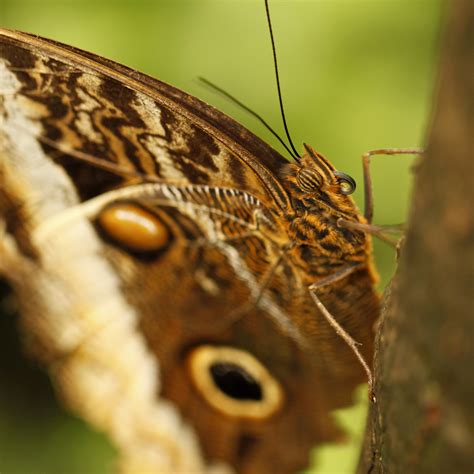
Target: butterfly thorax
319,197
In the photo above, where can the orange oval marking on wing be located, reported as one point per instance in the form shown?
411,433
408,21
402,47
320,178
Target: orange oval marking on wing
134,227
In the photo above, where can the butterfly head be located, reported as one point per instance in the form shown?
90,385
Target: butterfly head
317,185
316,174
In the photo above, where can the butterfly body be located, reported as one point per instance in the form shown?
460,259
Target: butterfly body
201,347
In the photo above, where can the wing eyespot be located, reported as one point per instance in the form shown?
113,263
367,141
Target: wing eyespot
234,382
133,227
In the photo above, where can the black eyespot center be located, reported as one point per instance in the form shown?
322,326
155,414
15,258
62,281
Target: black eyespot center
346,182
235,382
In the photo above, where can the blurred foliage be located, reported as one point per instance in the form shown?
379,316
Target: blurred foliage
356,75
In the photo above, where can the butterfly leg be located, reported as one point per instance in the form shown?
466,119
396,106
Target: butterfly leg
340,331
376,230
368,194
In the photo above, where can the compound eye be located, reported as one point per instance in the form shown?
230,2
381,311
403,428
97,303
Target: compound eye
347,183
309,180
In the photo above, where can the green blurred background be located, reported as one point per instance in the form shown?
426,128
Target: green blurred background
356,75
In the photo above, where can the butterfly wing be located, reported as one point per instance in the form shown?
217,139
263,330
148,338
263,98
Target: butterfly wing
212,320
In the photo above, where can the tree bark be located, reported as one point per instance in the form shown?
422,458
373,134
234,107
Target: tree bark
423,419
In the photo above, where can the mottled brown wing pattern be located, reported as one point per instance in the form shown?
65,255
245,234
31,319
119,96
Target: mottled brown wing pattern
150,344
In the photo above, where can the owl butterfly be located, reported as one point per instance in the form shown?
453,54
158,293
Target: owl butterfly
174,273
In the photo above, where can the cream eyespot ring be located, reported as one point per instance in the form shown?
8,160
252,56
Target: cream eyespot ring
234,382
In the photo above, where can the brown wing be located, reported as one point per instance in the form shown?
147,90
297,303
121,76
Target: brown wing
119,115
222,310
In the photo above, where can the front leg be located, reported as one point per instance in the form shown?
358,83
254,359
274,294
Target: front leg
368,194
340,331
378,231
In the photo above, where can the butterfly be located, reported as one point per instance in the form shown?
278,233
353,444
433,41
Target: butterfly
184,284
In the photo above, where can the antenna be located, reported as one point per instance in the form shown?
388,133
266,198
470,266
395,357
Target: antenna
250,111
277,77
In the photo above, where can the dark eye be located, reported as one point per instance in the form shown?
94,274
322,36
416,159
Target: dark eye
347,184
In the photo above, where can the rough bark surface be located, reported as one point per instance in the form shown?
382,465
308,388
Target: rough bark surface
423,420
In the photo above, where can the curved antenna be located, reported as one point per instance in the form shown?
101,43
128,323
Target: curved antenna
250,111
277,77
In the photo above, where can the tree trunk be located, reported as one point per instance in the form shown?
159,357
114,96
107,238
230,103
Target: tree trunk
423,419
